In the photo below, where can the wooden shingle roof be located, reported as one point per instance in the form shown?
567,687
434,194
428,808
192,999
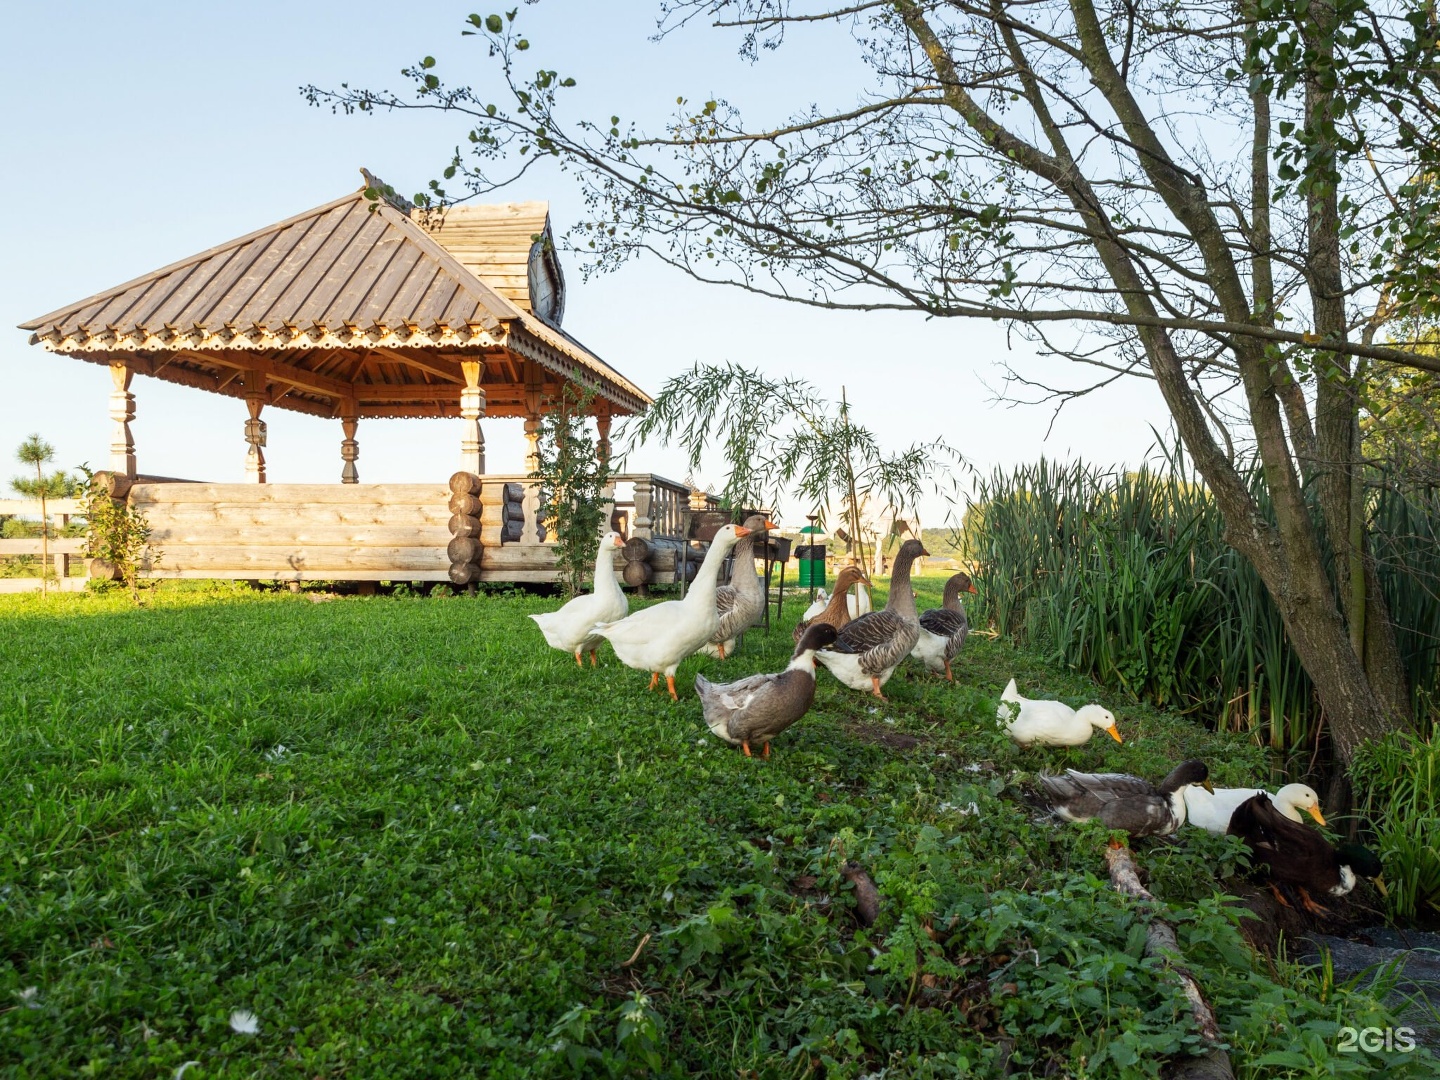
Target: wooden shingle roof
351,300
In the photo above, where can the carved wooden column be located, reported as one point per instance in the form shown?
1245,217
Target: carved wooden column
472,411
602,425
122,411
349,448
644,490
255,400
534,528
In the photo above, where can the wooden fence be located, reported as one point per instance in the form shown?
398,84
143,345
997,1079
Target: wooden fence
62,549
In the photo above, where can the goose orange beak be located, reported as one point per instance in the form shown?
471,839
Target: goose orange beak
619,540
972,588
770,524
1114,733
923,551
1314,812
740,530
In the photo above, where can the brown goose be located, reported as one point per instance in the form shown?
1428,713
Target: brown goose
944,629
1121,801
1291,853
741,603
868,650
760,707
837,612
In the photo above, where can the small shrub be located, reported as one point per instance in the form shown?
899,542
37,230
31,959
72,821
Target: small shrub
118,534
573,477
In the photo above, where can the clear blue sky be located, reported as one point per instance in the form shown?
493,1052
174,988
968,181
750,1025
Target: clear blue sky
138,134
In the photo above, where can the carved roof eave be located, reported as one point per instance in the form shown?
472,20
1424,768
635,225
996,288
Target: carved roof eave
265,339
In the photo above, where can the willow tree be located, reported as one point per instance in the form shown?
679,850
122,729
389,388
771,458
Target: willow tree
781,437
1210,196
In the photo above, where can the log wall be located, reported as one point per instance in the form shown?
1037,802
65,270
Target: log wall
351,532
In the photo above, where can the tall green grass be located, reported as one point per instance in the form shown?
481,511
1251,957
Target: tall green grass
1126,576
1398,783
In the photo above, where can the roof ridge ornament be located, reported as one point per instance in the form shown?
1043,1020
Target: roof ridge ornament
376,190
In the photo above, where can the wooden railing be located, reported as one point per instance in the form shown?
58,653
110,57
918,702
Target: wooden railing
61,549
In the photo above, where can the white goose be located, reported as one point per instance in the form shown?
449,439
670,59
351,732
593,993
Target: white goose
657,638
1213,812
571,627
1051,723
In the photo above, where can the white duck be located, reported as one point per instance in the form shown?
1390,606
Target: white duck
1051,723
1212,812
571,627
657,638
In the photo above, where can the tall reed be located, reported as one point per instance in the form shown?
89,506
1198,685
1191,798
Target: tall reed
1127,577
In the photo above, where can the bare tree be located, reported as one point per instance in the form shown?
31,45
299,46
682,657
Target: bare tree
1211,196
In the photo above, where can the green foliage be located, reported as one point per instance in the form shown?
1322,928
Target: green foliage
118,533
1400,424
1397,781
36,452
573,477
780,437
325,831
1127,577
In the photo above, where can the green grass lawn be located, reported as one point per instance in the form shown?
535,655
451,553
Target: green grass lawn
413,841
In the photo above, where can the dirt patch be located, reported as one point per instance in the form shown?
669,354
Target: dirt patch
883,735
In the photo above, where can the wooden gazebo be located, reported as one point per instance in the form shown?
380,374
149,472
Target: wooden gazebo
364,307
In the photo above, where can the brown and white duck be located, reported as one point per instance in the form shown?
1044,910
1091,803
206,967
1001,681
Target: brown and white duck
1121,801
836,611
1291,853
868,650
741,604
944,629
756,709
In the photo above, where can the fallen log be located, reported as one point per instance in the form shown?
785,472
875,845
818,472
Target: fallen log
1160,941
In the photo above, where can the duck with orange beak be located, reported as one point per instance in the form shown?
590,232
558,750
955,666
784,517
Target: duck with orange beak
741,604
571,628
657,638
867,651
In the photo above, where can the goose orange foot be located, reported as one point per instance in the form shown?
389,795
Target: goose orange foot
654,679
1310,905
766,752
722,650
593,661
670,685
949,675
1279,896
746,747
875,685
578,662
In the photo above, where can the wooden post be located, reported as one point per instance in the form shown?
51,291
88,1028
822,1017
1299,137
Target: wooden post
349,448
534,528
643,497
602,425
122,411
255,427
62,561
472,411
